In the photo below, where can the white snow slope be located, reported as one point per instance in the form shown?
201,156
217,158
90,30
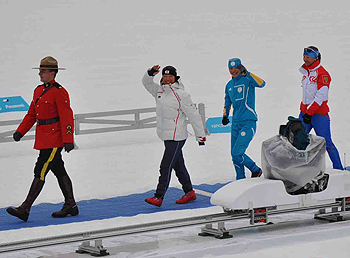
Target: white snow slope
106,46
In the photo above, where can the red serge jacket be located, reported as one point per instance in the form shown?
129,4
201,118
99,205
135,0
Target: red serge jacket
315,83
53,104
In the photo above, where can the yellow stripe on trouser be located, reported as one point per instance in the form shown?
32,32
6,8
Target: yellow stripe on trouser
44,169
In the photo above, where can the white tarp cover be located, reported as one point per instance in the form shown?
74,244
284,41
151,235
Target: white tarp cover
281,160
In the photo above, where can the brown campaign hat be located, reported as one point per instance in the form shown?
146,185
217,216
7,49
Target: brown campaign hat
50,63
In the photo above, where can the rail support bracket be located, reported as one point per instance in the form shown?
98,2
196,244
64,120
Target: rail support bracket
98,250
219,233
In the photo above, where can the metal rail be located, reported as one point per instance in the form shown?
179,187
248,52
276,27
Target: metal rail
100,124
117,231
148,227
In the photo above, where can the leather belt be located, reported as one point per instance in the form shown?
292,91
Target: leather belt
48,121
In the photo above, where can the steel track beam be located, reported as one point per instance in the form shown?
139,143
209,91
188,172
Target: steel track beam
117,231
148,227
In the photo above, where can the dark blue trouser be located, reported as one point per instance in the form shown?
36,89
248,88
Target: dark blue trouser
322,127
173,159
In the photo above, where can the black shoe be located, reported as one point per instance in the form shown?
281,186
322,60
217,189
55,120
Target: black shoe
257,173
18,212
65,211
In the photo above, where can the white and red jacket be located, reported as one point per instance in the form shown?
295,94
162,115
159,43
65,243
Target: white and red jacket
173,106
315,84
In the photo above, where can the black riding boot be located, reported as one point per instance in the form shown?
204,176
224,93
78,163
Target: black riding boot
69,207
22,212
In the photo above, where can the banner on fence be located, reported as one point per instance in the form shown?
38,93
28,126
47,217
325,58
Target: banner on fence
214,125
12,104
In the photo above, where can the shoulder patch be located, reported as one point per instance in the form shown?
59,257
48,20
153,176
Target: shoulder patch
325,79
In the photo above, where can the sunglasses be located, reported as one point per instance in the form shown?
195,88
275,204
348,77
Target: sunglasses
309,49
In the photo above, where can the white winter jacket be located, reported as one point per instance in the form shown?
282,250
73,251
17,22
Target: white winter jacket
173,106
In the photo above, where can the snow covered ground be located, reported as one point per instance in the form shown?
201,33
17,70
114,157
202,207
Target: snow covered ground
107,46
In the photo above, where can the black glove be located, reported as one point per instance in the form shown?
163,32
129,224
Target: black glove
68,146
225,120
151,71
17,136
307,118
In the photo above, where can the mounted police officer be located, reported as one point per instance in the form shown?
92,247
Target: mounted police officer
50,110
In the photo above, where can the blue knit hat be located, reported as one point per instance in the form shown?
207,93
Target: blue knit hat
234,62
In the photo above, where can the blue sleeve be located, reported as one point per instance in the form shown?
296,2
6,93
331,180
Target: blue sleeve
228,102
257,81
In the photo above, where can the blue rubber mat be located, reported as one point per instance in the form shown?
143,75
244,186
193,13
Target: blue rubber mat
95,209
209,188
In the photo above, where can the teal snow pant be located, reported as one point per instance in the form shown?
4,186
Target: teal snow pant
241,135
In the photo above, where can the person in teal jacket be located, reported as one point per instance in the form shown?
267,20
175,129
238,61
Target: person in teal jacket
240,94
